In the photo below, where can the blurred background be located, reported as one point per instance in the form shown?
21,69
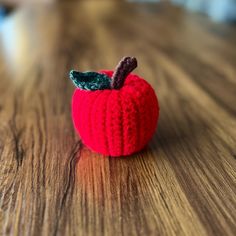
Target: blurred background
217,10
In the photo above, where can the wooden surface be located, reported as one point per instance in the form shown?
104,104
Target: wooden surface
183,183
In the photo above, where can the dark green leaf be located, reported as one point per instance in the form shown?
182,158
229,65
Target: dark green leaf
90,80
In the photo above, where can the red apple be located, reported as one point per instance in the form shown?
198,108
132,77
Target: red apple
114,113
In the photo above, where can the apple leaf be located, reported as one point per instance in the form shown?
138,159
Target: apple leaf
90,80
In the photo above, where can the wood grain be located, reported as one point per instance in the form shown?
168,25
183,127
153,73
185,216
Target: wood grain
183,183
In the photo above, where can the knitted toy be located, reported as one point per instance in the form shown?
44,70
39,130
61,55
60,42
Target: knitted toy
115,113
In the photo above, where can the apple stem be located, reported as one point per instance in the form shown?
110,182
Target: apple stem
123,69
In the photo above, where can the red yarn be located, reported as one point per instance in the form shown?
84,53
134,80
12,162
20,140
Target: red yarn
116,122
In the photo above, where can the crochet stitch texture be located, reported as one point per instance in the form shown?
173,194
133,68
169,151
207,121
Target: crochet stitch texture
116,122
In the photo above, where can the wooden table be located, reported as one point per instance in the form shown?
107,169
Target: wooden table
183,183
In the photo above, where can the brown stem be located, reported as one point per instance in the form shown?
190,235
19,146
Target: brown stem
125,66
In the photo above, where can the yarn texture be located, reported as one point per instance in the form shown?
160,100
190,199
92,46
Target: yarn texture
116,122
90,80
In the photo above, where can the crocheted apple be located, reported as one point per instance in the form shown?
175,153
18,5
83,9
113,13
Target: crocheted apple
114,113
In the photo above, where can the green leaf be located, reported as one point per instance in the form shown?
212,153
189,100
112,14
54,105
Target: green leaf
90,80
